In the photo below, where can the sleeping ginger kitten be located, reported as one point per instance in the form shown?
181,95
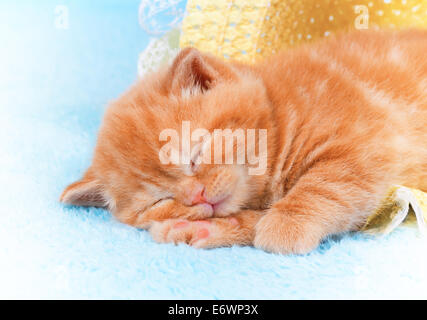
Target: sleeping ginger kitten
345,118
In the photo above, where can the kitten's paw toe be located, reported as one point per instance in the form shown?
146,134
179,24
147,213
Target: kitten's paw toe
220,232
159,230
286,234
200,238
180,231
198,234
187,232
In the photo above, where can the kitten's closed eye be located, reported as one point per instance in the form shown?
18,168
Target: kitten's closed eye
159,202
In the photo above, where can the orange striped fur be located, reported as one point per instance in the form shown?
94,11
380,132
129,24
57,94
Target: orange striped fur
346,118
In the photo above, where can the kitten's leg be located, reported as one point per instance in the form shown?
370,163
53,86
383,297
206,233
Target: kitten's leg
324,201
238,229
163,210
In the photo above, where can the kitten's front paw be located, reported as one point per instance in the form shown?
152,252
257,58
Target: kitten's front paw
287,234
197,212
199,234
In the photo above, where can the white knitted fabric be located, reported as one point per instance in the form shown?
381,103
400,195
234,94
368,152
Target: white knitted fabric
161,19
158,52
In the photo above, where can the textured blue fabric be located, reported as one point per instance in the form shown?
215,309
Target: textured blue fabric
54,85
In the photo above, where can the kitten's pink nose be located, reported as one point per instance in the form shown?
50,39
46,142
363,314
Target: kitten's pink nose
199,197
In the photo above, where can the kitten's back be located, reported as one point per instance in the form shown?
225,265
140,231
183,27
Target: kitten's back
363,93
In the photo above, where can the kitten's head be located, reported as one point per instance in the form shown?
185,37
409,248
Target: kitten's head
145,153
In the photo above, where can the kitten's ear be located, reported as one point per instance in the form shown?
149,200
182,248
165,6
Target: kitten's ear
85,192
196,71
